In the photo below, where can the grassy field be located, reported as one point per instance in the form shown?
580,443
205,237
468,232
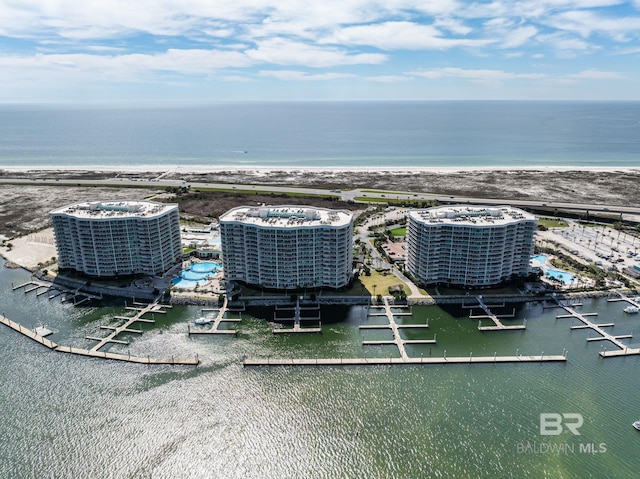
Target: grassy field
382,283
399,231
552,222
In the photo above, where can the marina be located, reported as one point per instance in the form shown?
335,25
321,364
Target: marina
624,350
94,352
44,287
297,319
498,325
216,322
313,374
399,361
394,327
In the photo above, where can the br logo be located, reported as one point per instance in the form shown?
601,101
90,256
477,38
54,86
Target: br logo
552,424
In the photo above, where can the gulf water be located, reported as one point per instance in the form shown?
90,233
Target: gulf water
74,417
323,134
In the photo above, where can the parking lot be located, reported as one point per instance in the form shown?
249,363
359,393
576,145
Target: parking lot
603,246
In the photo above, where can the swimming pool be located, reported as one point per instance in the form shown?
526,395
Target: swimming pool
187,284
540,258
192,276
205,267
566,278
197,274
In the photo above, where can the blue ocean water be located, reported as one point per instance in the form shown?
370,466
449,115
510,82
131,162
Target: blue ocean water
323,134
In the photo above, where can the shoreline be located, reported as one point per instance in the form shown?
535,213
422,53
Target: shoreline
203,169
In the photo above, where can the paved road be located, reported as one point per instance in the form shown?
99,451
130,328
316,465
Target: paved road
159,181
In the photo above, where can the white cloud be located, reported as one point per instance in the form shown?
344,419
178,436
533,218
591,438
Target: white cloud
595,75
585,23
400,35
453,25
281,51
290,75
518,37
474,75
129,65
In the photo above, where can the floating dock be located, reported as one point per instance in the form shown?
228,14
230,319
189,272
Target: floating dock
93,352
394,327
622,297
297,319
623,350
399,361
497,324
219,319
35,285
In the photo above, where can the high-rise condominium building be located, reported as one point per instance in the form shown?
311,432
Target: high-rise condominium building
117,238
287,246
471,246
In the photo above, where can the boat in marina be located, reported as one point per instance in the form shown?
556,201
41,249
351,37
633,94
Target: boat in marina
631,310
203,320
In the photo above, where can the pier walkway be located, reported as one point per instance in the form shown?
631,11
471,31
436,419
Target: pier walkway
219,319
94,352
396,361
623,350
35,285
395,327
154,307
623,297
297,320
498,325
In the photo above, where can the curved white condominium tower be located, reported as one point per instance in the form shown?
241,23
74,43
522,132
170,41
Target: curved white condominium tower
284,247
472,246
115,238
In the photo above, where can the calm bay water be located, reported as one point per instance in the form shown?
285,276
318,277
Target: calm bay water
324,134
66,416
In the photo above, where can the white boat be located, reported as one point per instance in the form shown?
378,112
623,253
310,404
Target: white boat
203,320
637,425
631,310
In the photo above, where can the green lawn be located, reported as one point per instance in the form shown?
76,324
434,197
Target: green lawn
552,222
399,231
381,281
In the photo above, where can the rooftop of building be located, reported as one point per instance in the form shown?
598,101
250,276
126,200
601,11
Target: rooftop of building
115,209
462,215
288,216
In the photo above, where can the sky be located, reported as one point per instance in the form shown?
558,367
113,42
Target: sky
202,50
